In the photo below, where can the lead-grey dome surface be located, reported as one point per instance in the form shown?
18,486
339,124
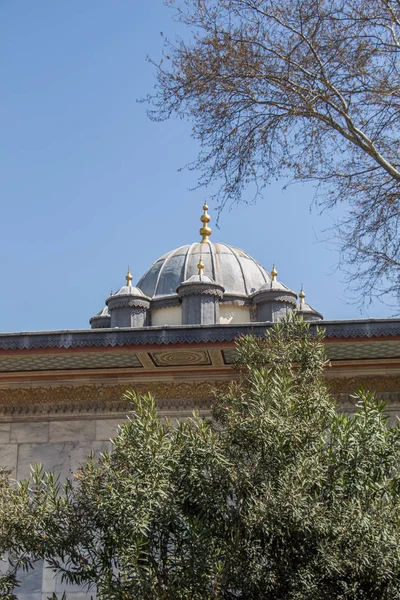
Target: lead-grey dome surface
232,268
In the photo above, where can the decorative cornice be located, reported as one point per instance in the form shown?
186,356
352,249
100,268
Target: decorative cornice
165,302
200,289
377,384
100,322
236,301
60,400
128,301
190,334
271,296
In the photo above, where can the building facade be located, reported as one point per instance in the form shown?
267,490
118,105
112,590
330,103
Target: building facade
172,335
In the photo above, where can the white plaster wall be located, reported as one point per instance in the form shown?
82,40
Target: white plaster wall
166,316
230,314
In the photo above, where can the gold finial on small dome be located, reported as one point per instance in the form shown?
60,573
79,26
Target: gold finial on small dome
302,295
205,218
129,278
274,273
200,266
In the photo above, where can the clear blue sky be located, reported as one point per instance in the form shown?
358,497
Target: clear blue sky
89,184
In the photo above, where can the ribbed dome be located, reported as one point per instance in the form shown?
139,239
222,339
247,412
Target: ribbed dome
230,267
128,290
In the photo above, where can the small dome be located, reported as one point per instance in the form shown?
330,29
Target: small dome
104,312
102,319
198,279
309,313
233,269
128,290
273,286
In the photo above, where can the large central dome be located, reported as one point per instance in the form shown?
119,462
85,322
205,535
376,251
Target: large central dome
204,283
235,270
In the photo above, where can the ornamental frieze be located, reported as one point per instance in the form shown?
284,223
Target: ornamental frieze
182,396
107,398
350,385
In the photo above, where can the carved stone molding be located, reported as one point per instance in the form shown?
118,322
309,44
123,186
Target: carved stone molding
268,297
201,289
126,301
350,385
18,402
165,302
236,301
105,398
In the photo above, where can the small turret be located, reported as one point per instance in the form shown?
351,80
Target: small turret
200,298
129,306
101,320
306,311
273,300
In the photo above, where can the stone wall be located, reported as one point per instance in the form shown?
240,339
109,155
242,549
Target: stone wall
60,446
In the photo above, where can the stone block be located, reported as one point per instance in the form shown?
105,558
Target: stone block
78,592
80,452
5,429
71,431
53,456
31,583
48,581
392,418
73,591
8,457
23,433
106,429
76,596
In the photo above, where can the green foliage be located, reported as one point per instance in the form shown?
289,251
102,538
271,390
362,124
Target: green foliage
276,497
19,537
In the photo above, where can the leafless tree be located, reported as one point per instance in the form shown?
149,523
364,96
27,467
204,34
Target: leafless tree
303,89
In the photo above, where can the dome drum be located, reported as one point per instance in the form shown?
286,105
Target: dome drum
129,307
128,312
274,302
309,313
102,320
306,311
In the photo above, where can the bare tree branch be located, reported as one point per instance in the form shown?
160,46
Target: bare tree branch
304,89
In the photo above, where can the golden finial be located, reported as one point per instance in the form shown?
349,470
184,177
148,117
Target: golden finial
274,273
302,296
128,278
205,231
200,266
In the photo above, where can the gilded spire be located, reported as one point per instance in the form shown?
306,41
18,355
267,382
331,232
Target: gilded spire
128,278
302,296
274,273
200,266
205,231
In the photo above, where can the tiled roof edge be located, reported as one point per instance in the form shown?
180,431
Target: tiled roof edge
367,328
